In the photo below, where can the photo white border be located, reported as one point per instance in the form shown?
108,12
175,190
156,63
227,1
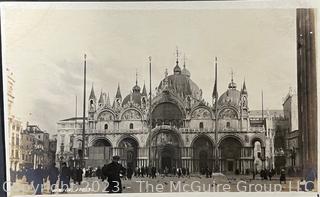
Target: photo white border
207,5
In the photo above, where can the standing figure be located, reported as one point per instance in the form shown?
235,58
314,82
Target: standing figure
112,172
53,177
65,176
38,180
129,173
283,176
78,175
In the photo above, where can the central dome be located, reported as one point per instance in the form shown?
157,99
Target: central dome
182,85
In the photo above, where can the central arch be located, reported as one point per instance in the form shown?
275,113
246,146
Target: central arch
202,153
128,152
167,113
230,154
165,150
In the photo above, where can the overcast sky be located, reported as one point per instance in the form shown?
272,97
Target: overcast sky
44,49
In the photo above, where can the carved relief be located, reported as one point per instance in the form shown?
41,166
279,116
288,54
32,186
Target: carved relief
131,115
164,139
228,114
105,116
201,113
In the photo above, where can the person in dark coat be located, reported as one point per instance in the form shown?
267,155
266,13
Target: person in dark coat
53,177
38,176
283,176
310,178
153,172
78,175
98,172
65,176
129,173
112,172
29,174
103,172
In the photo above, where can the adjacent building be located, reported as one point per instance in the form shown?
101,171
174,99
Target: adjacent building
14,127
293,135
40,146
69,140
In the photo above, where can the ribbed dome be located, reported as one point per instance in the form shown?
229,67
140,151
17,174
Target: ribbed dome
177,69
136,98
230,97
136,88
185,72
181,85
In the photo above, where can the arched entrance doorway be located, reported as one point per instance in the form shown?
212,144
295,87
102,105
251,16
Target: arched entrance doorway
230,154
202,154
99,153
128,152
165,150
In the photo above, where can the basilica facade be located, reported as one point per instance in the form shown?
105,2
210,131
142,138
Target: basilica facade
177,128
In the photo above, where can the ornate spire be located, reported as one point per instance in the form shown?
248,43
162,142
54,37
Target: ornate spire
92,94
108,101
232,85
244,88
185,71
136,88
144,91
177,69
177,53
136,77
101,99
215,91
118,94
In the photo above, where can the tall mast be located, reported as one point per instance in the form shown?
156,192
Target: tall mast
82,164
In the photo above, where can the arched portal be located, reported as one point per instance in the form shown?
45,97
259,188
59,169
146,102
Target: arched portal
100,152
202,153
230,154
167,114
128,152
165,150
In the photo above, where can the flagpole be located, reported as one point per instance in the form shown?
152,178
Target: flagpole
84,111
150,114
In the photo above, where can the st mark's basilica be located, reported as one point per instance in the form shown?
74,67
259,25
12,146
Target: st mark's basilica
179,129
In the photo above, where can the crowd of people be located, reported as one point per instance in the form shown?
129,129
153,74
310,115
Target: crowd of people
113,173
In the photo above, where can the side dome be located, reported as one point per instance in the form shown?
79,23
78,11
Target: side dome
230,97
134,96
185,72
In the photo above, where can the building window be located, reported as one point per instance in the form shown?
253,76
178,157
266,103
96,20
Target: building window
106,126
228,124
131,126
17,140
201,125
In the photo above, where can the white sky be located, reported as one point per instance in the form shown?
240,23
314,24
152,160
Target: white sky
44,48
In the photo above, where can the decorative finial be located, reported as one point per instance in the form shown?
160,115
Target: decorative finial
85,56
136,76
231,75
149,59
177,53
184,60
166,73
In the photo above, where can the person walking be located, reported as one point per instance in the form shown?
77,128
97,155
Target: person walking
283,176
112,172
38,180
53,177
78,175
65,176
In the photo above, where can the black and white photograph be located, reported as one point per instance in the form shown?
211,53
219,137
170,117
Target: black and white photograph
158,97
